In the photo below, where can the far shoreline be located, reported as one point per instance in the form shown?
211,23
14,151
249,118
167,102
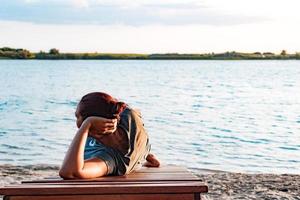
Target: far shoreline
55,54
167,59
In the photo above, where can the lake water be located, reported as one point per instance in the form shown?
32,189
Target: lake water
240,116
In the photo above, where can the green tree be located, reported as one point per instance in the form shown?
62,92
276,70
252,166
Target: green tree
283,53
24,54
54,51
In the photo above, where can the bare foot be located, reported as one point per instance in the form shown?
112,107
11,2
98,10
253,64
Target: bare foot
151,161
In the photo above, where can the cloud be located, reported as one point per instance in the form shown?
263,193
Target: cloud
81,3
31,1
150,26
150,39
125,12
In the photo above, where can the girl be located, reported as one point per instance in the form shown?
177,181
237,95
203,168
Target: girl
111,140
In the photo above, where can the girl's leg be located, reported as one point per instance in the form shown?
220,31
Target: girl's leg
151,161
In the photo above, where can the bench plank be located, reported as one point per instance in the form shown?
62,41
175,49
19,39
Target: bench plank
128,178
164,168
167,182
184,187
108,197
99,183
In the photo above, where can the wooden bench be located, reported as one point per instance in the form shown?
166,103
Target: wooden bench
167,182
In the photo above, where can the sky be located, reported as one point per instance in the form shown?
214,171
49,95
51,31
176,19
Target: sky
151,26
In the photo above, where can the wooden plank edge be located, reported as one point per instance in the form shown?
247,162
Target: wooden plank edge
104,189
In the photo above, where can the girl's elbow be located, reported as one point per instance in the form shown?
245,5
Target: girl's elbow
66,174
80,174
69,174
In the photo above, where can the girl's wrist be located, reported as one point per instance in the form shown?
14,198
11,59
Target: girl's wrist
86,125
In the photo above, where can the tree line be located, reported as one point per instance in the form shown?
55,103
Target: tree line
11,53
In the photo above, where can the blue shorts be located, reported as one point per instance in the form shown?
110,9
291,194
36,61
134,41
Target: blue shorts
112,158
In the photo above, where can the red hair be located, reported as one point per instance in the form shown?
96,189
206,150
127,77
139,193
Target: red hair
101,105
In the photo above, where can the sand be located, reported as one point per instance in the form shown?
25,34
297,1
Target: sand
252,186
222,185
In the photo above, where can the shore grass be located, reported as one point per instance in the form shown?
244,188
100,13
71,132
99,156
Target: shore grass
54,54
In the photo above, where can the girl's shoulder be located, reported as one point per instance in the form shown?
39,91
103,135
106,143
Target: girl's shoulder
130,116
129,111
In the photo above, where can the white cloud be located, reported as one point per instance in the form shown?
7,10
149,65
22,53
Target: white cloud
149,26
141,2
134,4
127,12
31,1
80,3
274,9
151,39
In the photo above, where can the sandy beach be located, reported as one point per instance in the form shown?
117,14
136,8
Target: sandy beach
222,185
251,186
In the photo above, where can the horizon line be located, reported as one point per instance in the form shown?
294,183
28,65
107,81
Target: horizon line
208,52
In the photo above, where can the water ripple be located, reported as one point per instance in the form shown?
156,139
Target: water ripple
3,133
57,102
14,147
289,148
221,129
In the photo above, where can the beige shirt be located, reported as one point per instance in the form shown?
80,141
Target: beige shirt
130,139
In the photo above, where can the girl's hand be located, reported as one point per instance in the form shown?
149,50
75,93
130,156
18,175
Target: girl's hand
100,125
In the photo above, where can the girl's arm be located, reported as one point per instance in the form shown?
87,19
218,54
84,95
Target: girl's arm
74,165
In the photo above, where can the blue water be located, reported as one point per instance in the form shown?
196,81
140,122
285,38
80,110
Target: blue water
240,116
